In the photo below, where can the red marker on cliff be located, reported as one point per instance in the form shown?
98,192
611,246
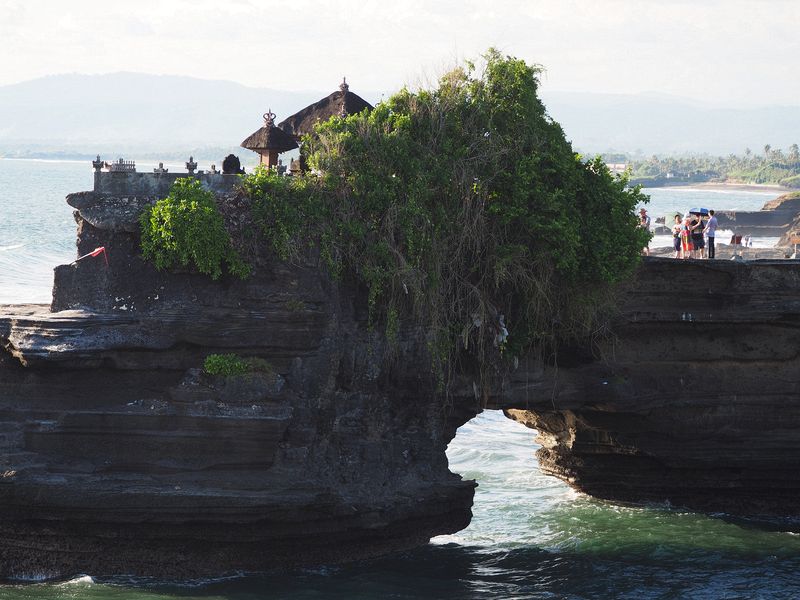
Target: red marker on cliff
95,252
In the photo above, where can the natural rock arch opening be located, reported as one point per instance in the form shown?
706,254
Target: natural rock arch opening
500,455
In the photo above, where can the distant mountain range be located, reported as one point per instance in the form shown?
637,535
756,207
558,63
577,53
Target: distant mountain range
660,124
144,115
129,113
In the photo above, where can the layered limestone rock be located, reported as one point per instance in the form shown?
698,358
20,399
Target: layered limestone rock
696,400
117,456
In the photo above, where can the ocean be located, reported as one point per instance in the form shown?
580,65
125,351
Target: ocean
531,535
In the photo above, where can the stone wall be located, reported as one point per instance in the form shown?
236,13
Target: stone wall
156,184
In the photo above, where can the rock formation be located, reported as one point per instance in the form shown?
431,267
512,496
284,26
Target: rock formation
117,455
792,234
697,401
774,219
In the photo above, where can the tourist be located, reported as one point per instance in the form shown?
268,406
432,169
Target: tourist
697,237
686,238
676,236
711,233
644,223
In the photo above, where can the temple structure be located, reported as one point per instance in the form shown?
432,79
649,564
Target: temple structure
342,102
269,141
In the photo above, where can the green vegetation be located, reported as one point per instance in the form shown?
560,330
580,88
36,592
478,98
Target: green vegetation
461,211
227,365
771,167
458,209
186,228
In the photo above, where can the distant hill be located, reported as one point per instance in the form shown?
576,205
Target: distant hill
77,114
656,124
154,115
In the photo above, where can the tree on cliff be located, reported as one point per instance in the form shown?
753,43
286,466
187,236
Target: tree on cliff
463,209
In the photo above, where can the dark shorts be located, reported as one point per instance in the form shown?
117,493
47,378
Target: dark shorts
676,243
697,241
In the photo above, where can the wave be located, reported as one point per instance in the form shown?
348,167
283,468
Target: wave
79,580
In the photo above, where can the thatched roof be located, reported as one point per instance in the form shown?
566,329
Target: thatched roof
270,137
341,102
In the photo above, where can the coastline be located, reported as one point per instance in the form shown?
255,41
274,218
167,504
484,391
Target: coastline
730,187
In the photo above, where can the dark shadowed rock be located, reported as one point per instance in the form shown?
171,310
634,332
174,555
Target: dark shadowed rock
118,455
127,459
697,403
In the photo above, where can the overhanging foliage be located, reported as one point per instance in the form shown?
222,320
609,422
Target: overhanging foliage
463,210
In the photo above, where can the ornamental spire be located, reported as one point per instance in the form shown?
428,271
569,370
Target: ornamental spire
344,89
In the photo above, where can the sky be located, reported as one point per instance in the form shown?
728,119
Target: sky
725,52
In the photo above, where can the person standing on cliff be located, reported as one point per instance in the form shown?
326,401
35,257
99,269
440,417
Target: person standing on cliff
711,233
676,237
686,238
697,237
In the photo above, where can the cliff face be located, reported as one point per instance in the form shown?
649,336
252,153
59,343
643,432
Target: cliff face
118,456
698,402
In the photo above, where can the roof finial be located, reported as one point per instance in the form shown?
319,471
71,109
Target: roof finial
343,86
269,118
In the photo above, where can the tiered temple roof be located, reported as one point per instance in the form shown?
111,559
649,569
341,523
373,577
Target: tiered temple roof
341,102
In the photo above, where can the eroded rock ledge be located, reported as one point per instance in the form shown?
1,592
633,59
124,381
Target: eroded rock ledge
118,457
698,403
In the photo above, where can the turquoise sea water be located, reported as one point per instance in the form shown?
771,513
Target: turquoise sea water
531,536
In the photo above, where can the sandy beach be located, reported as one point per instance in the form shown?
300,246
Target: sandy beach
734,187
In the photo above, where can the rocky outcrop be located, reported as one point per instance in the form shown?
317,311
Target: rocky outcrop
773,220
790,201
118,456
697,399
792,235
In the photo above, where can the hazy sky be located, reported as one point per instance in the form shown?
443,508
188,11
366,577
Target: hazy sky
723,51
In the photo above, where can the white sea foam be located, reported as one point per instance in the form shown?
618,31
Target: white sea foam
79,580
